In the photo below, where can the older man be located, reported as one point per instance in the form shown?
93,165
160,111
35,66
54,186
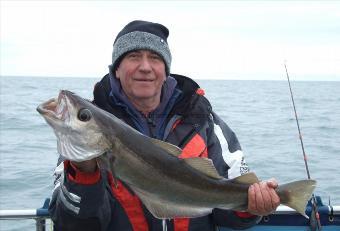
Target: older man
140,90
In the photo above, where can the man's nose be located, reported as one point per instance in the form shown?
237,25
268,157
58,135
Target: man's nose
145,64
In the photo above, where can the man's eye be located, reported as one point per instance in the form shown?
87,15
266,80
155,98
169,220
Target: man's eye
156,57
133,55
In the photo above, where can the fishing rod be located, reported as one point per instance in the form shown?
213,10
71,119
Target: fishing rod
315,209
298,125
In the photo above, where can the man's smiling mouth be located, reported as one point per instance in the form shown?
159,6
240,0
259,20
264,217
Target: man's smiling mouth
144,80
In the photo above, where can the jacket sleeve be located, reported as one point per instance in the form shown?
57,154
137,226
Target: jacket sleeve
80,200
226,153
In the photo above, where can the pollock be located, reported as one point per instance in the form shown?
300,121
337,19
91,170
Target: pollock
167,185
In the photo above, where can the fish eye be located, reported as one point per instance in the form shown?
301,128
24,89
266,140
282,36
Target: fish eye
84,114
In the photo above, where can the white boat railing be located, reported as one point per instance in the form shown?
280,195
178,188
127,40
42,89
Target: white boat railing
35,214
282,209
41,215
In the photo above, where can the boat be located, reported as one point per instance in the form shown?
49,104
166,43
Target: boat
327,218
285,218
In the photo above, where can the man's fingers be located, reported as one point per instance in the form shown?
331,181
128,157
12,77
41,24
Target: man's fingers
274,198
266,197
259,198
262,198
272,183
251,199
86,166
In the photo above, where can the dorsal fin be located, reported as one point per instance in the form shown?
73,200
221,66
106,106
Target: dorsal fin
205,166
248,178
172,149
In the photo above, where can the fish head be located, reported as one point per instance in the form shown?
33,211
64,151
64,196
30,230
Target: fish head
77,126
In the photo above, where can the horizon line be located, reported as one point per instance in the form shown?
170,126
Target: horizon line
216,79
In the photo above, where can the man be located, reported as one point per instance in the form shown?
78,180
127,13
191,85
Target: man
140,90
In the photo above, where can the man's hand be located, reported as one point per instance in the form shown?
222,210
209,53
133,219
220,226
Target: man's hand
262,198
86,166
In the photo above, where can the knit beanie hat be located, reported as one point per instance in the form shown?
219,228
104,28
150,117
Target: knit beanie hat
139,35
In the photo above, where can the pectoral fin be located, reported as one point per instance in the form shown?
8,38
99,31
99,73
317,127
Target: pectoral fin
108,161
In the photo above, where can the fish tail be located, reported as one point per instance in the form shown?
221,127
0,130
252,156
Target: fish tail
296,194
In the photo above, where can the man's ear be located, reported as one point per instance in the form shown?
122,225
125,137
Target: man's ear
117,73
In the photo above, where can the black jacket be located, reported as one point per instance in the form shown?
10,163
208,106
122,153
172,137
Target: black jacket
91,202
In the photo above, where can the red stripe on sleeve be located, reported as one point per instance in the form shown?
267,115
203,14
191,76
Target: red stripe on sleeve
244,214
75,175
181,224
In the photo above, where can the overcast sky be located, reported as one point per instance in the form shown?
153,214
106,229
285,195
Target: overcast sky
208,39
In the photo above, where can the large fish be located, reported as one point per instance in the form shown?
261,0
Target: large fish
167,185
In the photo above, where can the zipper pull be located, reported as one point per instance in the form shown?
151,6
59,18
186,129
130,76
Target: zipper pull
150,121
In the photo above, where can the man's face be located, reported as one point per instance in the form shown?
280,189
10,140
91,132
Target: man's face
141,74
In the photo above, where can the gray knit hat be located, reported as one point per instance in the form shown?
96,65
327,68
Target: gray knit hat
142,35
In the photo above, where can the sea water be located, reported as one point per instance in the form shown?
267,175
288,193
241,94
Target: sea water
259,112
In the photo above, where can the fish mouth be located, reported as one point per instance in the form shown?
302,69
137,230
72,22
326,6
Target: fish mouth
55,109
